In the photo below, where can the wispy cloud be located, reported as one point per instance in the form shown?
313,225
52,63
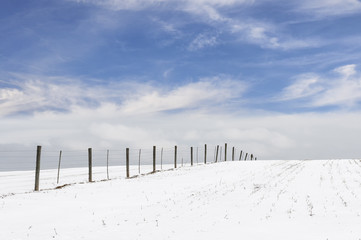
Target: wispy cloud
244,29
202,41
201,94
183,4
39,93
30,93
323,8
267,35
168,27
342,90
304,86
258,32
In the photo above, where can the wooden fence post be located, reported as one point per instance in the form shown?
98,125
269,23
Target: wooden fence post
240,155
191,156
225,152
175,156
232,153
90,164
37,168
154,156
245,158
127,161
57,179
217,153
205,153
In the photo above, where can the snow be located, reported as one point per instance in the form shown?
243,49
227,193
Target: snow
319,199
24,181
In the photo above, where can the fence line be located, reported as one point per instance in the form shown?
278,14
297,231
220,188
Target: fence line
111,162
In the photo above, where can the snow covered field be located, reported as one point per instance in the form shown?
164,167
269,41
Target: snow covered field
318,199
24,181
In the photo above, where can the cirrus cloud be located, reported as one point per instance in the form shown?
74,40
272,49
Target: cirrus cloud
40,93
341,90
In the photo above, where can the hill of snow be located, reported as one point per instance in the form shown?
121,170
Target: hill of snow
318,199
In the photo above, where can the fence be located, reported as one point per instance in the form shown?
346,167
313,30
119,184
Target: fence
56,168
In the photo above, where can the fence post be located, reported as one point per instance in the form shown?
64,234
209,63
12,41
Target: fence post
232,153
175,156
57,179
217,153
245,158
225,152
90,164
37,168
205,153
127,162
154,156
191,156
240,155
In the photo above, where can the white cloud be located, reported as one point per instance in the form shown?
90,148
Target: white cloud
9,93
37,93
343,90
201,94
182,4
322,8
346,94
32,93
347,70
244,28
257,32
123,4
304,86
269,136
252,31
202,41
141,119
267,35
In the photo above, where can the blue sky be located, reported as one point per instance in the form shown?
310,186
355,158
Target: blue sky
281,78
